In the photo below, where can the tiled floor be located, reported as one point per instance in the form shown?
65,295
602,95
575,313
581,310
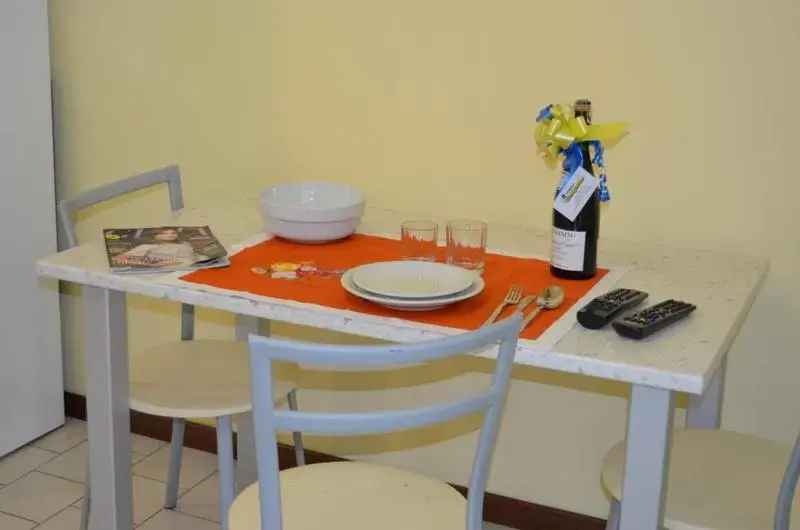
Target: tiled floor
41,485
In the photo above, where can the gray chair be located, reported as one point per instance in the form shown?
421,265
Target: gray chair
361,495
720,480
174,380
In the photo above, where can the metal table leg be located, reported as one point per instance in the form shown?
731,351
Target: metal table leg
106,368
647,458
705,411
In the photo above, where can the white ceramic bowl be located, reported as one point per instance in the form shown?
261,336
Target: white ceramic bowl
311,212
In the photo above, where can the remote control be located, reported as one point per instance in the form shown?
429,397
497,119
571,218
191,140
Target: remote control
603,309
648,321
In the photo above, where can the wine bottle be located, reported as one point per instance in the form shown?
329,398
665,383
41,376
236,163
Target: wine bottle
574,248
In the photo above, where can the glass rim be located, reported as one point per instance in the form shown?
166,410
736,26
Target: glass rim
419,224
472,225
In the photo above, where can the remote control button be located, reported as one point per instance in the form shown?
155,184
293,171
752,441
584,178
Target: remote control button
602,310
648,321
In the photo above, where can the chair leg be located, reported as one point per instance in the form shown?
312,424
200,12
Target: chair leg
174,472
225,463
299,451
86,505
613,515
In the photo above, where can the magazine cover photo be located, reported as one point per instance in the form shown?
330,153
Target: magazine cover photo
162,248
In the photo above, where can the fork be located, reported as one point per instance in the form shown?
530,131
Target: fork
513,297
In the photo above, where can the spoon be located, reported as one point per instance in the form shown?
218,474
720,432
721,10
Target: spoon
551,298
525,302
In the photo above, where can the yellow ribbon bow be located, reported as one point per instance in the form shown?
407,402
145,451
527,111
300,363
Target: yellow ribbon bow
561,128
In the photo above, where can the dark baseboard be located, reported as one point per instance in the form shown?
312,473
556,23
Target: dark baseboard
497,509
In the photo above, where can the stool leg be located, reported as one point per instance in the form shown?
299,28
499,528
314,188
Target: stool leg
225,463
613,516
176,452
86,505
299,451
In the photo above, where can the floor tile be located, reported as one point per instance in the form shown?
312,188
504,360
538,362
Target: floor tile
144,445
38,497
69,519
195,466
202,500
169,520
148,498
64,438
22,461
72,464
9,522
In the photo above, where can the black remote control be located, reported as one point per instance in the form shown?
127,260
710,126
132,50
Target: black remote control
603,309
648,321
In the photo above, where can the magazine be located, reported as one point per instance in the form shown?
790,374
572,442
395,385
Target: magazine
163,249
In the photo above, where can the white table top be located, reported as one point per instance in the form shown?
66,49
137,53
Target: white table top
682,357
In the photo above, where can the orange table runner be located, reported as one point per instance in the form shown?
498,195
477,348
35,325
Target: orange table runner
501,272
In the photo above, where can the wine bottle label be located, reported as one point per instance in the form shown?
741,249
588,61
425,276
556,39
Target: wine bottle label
567,249
575,193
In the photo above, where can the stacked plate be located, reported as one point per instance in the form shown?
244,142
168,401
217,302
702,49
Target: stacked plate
412,285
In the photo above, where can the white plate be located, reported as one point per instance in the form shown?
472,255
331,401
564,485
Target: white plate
415,304
412,279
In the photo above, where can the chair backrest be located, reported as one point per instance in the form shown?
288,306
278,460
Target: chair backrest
268,420
783,510
69,207
170,175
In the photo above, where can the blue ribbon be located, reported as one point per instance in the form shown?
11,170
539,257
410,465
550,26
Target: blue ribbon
573,159
600,163
545,114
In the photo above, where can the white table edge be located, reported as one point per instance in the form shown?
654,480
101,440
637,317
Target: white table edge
529,353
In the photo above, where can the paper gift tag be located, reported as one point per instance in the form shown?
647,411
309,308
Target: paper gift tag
575,193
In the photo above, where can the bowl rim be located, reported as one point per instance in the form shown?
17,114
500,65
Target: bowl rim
357,197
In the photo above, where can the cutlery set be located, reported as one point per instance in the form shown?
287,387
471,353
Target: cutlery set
550,298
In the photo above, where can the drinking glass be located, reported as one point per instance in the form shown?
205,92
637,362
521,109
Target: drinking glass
466,244
419,239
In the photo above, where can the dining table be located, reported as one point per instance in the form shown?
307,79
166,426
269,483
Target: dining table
689,357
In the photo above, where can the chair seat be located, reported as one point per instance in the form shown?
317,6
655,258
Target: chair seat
356,496
718,480
197,379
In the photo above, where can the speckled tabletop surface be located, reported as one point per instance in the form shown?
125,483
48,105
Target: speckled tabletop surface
682,357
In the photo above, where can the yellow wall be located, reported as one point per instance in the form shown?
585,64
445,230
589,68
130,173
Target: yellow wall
429,106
